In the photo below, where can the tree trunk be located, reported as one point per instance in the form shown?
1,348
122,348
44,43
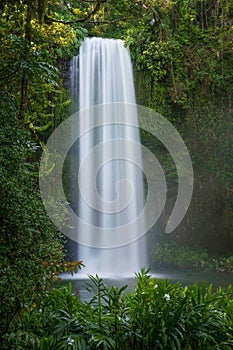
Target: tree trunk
24,83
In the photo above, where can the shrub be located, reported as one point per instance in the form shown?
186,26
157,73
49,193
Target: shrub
168,253
30,248
155,315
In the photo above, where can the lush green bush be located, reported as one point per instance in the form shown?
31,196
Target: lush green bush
31,252
155,315
168,253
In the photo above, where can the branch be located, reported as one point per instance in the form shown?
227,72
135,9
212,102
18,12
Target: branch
69,8
80,20
107,22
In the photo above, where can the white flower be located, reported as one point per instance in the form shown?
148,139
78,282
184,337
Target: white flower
155,286
70,341
167,297
152,22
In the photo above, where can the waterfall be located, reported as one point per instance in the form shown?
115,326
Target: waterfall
102,75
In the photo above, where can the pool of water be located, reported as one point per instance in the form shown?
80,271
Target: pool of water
79,282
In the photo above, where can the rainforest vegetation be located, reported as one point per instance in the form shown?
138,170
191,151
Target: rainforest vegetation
182,56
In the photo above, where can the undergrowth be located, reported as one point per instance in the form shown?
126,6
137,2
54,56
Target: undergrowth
154,315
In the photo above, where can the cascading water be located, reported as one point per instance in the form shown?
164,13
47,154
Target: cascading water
102,74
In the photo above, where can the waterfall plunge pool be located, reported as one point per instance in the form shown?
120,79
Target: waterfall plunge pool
185,277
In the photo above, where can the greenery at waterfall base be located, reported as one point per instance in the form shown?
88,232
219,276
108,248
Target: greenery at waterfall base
183,65
166,253
154,315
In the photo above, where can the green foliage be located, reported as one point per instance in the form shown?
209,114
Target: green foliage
27,238
168,253
155,315
32,53
33,102
183,69
31,249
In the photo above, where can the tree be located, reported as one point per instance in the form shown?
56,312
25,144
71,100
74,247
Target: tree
32,95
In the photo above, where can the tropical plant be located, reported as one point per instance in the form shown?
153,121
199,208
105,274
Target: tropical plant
154,315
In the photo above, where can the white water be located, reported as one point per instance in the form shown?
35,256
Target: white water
102,74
